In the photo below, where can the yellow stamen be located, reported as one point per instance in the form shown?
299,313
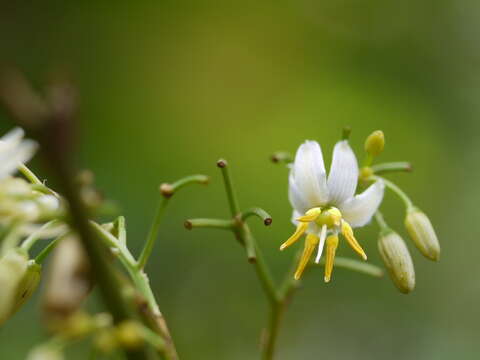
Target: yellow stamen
332,244
310,215
310,243
301,228
348,233
336,216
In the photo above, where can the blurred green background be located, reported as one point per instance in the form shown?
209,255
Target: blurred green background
169,87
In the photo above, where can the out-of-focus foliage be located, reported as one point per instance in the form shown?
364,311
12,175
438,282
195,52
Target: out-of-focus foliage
169,87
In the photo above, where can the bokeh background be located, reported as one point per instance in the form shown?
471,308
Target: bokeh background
169,87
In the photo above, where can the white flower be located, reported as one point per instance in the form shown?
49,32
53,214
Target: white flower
324,205
14,150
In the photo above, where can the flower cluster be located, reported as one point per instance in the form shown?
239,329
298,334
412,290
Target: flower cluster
25,208
325,207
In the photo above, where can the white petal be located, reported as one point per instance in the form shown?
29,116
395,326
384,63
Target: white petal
321,243
359,210
14,135
295,196
343,176
309,174
11,158
295,216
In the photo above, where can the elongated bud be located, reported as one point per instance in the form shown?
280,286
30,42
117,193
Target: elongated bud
28,285
397,260
375,143
422,233
13,266
68,281
45,353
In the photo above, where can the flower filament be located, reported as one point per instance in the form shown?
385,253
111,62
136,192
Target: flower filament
329,220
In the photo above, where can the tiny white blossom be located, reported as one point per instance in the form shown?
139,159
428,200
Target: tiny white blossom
328,205
14,150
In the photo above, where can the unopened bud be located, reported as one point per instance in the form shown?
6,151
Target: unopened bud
422,233
129,335
13,266
375,143
28,285
397,260
68,281
45,353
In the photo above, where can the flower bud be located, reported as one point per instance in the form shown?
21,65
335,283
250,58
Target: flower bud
422,233
13,266
68,281
397,260
28,285
45,353
375,143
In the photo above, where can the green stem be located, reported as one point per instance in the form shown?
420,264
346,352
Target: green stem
29,175
48,249
232,199
141,281
355,265
260,213
399,192
264,275
153,233
209,223
381,220
392,167
35,236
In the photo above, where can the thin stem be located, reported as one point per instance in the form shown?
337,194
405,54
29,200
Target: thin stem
48,249
209,223
400,166
264,275
35,236
232,199
396,190
111,241
260,213
245,236
153,233
142,283
192,179
381,220
29,175
358,266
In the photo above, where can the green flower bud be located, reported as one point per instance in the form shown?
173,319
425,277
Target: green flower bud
13,266
375,143
45,353
422,233
397,260
28,285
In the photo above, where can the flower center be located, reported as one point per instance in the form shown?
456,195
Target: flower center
331,217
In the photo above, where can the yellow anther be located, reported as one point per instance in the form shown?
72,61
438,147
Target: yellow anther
348,233
336,216
301,228
310,215
331,217
332,244
310,243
